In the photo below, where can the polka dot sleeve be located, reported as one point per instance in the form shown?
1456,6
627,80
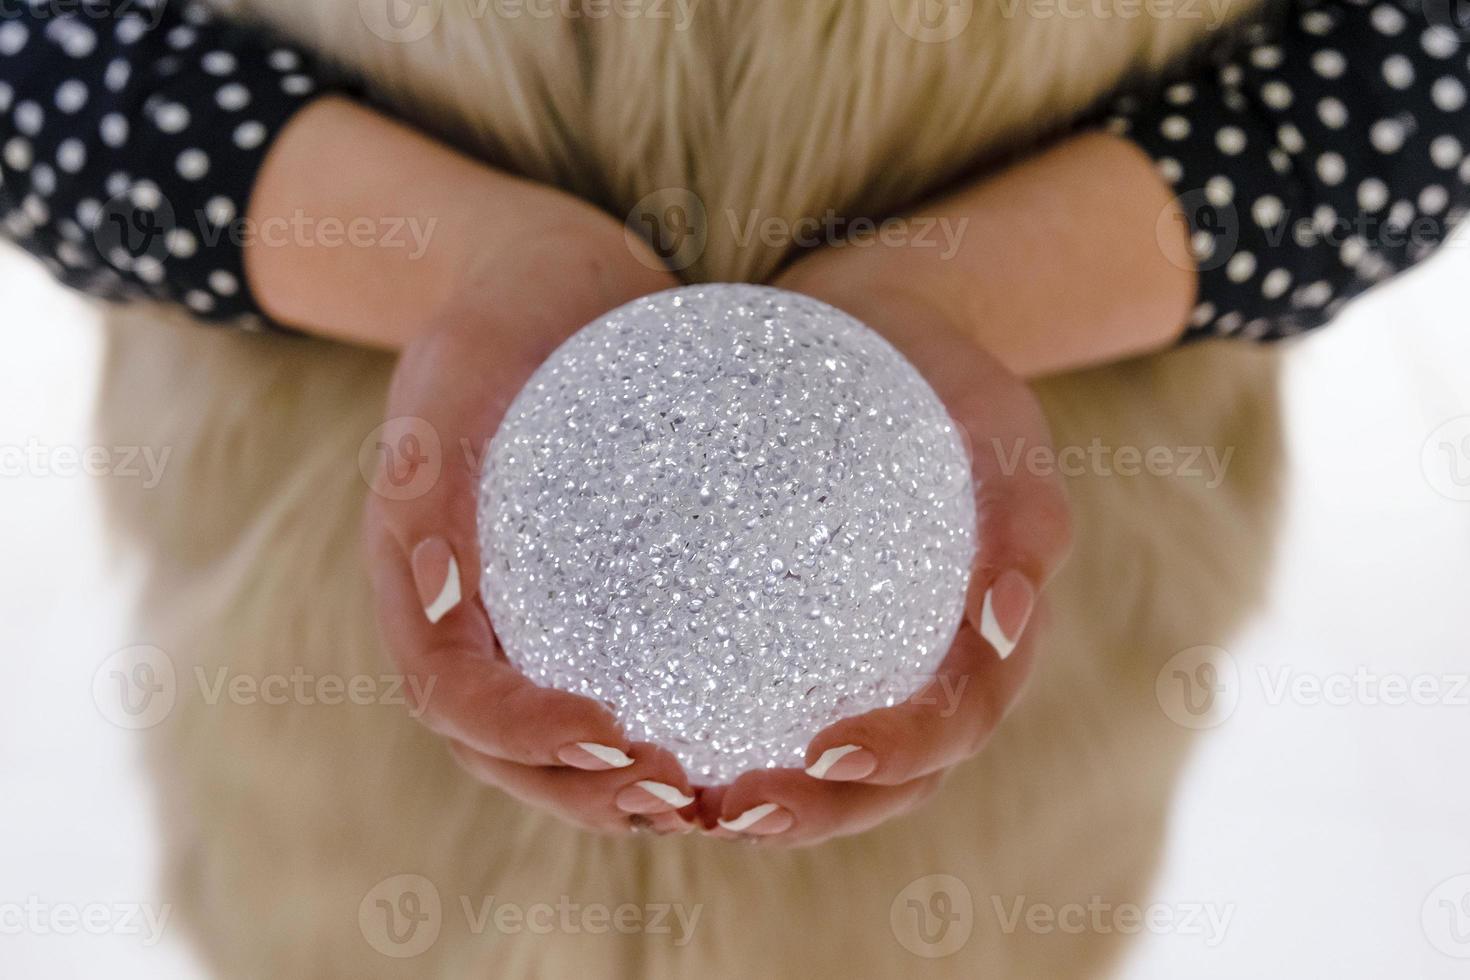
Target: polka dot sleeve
1319,154
131,133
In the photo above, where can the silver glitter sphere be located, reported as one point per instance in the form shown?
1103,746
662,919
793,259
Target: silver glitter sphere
735,514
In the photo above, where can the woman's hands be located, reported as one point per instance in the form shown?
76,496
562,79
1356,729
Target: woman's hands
869,768
512,270
451,388
507,270
565,753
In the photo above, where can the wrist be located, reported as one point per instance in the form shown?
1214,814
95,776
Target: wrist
882,288
572,256
1068,259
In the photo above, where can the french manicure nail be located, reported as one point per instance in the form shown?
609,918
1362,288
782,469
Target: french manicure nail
593,757
647,796
1007,609
436,576
768,818
844,764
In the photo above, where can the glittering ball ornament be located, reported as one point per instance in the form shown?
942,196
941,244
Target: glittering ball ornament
735,514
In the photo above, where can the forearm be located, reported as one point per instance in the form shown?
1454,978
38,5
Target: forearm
1075,257
360,228
195,161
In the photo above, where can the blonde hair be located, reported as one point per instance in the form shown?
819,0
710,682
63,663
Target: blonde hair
781,108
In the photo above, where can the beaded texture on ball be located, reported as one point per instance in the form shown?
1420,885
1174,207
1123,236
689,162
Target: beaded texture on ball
735,514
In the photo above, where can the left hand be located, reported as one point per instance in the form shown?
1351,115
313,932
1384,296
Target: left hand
559,752
871,767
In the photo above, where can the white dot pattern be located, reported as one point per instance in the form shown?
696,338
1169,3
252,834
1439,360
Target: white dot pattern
1339,129
129,144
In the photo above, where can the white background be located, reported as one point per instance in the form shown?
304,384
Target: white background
1322,830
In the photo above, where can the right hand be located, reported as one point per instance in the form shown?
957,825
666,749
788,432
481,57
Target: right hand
450,390
890,760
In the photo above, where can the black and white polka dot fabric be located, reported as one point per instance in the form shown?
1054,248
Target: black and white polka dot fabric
131,133
1317,158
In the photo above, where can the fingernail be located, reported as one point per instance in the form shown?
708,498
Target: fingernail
436,576
843,764
647,796
593,757
1007,609
768,818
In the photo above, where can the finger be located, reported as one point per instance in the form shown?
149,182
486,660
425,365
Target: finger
945,723
466,690
787,807
653,789
424,496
